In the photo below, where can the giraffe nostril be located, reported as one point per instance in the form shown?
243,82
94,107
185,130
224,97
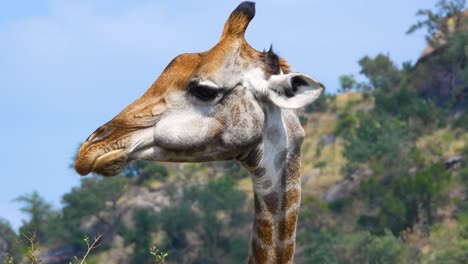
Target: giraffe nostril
99,134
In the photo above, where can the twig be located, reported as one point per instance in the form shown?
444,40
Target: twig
90,247
32,248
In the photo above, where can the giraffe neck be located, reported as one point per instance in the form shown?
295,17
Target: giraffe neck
275,169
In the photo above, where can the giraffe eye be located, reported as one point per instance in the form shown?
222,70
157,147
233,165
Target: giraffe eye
204,93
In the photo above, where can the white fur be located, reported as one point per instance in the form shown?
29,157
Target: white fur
271,147
184,128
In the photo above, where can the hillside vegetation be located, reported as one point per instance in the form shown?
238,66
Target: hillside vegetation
384,174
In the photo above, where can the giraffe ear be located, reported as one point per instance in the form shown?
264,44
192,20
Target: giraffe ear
293,90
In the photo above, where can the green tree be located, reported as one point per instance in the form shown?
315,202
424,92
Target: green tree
96,197
402,199
146,170
319,246
213,212
8,242
381,72
176,222
315,232
376,138
444,21
219,196
365,248
347,82
38,211
141,236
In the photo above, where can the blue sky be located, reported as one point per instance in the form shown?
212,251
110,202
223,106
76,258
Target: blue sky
67,67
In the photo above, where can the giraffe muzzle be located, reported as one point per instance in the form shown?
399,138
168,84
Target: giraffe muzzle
106,164
95,155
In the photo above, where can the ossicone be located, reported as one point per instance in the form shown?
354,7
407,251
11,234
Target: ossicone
239,20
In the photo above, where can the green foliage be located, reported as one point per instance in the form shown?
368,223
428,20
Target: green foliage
347,82
436,21
208,211
319,246
462,121
313,231
303,120
320,105
405,104
381,72
146,171
464,176
144,220
315,214
455,255
8,243
365,248
218,196
400,198
158,256
234,169
346,125
176,222
375,138
38,211
94,196
32,250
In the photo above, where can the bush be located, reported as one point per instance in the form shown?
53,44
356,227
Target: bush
404,104
401,198
365,248
318,246
374,139
346,125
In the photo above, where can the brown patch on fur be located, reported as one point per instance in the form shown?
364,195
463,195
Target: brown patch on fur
286,255
292,197
287,226
259,253
272,202
294,169
264,231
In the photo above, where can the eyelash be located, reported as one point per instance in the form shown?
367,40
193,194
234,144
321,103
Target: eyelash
204,93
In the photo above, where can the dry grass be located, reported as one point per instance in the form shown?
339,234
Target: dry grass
441,144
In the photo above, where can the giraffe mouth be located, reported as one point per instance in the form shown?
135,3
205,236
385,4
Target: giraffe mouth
110,164
107,164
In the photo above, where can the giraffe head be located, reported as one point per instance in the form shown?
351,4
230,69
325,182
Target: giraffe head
204,106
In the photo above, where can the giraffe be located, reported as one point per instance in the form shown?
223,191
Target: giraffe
231,102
